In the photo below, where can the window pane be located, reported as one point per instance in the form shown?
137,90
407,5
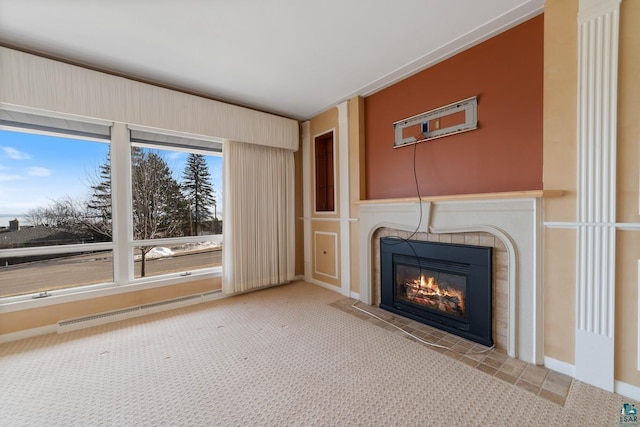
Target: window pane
54,190
34,274
180,258
175,193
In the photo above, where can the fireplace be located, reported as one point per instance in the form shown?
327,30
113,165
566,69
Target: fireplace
447,286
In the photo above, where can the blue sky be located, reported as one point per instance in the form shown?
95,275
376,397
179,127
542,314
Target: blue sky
35,169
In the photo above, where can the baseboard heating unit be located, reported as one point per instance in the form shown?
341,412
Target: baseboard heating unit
131,312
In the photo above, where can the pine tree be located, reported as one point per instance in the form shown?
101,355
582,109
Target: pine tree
198,190
99,213
159,208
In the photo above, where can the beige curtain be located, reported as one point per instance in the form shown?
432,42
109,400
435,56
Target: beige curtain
258,234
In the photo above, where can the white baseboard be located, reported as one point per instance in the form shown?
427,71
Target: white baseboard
28,333
355,296
326,285
560,366
621,388
627,390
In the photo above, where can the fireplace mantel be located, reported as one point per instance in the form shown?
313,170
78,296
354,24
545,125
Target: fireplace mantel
474,196
514,218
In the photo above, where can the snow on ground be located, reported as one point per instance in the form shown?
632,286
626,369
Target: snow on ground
163,252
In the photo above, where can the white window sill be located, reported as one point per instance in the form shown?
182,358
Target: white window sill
26,302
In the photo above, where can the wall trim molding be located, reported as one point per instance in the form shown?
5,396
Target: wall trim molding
627,390
560,366
28,333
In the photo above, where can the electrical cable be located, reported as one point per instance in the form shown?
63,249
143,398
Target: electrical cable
415,178
407,240
488,349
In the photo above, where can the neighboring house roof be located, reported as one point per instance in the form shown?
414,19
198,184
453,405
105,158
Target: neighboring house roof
41,236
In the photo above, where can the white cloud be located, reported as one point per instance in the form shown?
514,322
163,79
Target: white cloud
4,178
37,171
14,154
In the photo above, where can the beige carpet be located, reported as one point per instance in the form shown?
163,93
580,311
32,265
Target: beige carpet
281,356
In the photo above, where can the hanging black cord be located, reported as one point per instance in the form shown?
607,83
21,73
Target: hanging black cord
415,178
401,240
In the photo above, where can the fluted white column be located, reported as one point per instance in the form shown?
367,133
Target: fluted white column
306,196
343,194
598,24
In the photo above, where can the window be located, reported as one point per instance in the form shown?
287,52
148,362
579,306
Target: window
49,218
175,199
61,209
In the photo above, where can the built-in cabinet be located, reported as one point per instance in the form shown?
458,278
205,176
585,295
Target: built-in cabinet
331,171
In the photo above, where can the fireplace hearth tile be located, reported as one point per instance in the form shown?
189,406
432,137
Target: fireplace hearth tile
479,357
506,377
471,362
541,381
556,384
555,398
534,375
492,362
511,370
487,369
462,346
528,386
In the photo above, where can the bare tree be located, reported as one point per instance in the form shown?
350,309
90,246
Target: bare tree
64,213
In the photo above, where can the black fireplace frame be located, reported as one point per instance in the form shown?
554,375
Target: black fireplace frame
473,262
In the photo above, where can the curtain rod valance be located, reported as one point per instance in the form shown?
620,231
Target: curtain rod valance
36,82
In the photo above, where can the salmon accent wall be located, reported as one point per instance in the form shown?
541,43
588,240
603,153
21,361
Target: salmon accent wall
504,154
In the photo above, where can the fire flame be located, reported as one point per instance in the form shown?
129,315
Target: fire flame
426,288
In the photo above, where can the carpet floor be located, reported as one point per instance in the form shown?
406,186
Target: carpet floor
276,357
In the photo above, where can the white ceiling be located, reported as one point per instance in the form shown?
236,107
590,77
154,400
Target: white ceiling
290,57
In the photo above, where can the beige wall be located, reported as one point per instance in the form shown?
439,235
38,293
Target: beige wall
560,160
38,317
354,182
559,173
628,172
559,294
325,258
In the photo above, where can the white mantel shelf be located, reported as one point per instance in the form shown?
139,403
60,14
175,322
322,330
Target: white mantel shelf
513,217
475,196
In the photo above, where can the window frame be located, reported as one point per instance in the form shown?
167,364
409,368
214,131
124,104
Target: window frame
122,244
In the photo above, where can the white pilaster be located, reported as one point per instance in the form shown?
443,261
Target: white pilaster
598,23
306,196
343,191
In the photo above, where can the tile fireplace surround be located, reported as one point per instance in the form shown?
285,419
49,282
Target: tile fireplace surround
510,222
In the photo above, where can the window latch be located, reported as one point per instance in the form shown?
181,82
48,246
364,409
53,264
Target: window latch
41,295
